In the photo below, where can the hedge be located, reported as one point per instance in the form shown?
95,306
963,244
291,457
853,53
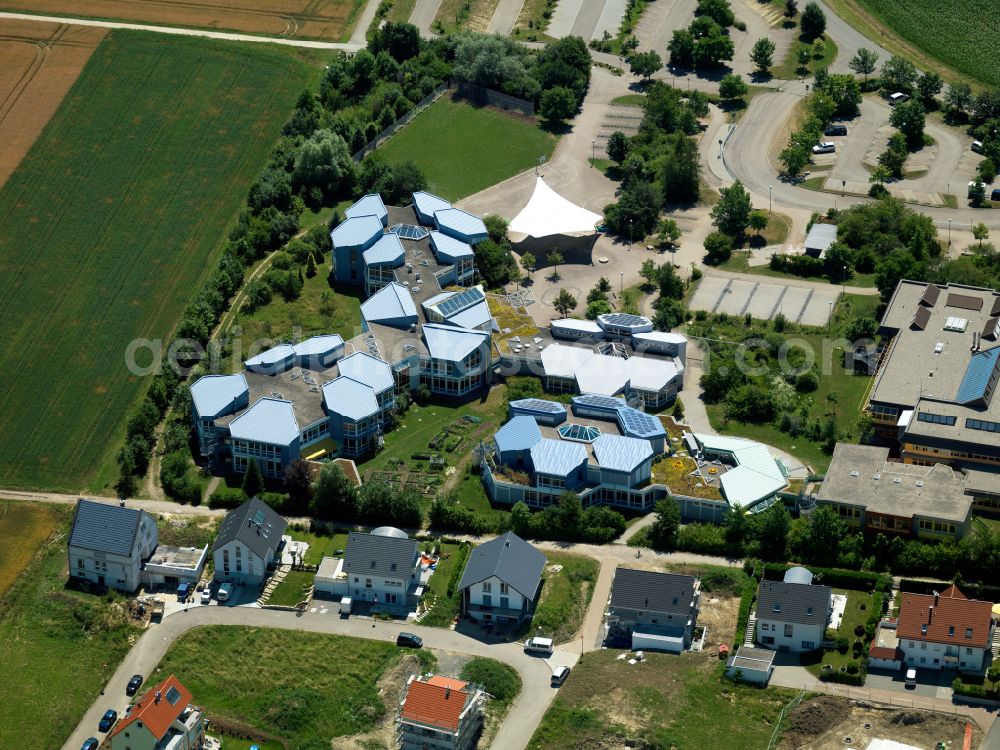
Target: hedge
836,577
844,678
746,604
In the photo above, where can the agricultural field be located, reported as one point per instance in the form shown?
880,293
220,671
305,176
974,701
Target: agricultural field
23,527
448,141
329,20
109,225
38,64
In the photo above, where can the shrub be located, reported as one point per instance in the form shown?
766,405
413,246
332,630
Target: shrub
499,680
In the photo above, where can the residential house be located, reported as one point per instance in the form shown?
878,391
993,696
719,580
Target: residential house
792,614
248,543
657,611
110,543
383,568
439,713
944,630
501,580
162,719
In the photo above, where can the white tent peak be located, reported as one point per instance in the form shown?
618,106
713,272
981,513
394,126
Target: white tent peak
548,213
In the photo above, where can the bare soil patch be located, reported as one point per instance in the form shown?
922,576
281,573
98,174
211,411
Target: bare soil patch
38,64
330,20
718,615
825,723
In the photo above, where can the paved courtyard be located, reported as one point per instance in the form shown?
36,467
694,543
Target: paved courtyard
764,300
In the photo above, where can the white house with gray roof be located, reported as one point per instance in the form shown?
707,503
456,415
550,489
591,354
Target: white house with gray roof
792,615
501,580
109,544
656,611
382,569
248,543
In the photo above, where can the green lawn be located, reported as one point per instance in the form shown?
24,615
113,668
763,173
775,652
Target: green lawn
630,100
110,224
565,595
463,149
58,647
854,615
444,608
666,701
304,687
320,545
291,591
789,67
739,261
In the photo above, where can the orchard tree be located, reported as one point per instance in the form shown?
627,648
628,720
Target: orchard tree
732,213
762,54
864,61
564,302
813,22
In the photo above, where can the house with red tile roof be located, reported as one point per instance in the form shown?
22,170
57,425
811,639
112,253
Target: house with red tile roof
162,719
439,712
945,630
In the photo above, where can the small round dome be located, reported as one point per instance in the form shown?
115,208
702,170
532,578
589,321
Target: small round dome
798,575
390,531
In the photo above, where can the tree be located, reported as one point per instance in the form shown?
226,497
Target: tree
489,61
794,158
636,212
823,535
253,480
718,10
644,64
663,531
528,262
596,308
732,213
804,56
718,248
564,302
298,484
758,221
668,232
909,118
681,49
557,104
958,99
556,259
813,22
818,49
929,85
520,519
334,495
310,266
864,61
603,285
774,524
986,171
791,8
712,48
324,162
680,171
618,147
977,193
980,231
732,87
762,54
898,74
648,271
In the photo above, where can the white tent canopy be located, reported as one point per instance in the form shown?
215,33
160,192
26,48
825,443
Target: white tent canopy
548,213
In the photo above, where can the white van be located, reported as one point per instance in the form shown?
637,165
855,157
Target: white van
559,675
225,590
898,98
542,646
911,678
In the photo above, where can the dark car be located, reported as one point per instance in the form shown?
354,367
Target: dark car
409,640
836,130
108,720
90,743
995,195
133,684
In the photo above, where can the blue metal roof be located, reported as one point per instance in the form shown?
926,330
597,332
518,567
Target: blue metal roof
977,375
270,420
368,205
357,232
105,528
272,356
367,369
635,423
600,403
322,344
448,249
391,303
473,317
349,398
427,203
387,250
451,343
460,224
557,457
212,394
621,453
519,434
437,298
538,405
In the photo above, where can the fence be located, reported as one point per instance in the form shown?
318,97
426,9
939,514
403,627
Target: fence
417,109
484,96
776,734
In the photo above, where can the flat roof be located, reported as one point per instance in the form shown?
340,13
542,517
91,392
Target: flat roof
177,557
301,386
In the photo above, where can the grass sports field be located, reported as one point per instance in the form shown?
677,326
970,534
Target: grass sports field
330,20
463,149
108,227
38,64
23,527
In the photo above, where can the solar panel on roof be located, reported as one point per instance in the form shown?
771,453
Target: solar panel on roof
259,516
461,301
173,695
638,423
625,319
605,402
537,404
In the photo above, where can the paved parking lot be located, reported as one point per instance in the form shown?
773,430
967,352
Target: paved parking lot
764,300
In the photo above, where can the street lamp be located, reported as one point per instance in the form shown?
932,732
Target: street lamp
844,277
630,235
593,150
769,189
621,284
949,234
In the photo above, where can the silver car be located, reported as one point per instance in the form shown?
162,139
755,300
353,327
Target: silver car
824,148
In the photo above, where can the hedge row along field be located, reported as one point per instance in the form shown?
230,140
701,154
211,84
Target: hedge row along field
961,33
109,226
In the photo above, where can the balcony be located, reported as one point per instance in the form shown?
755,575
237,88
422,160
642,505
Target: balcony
495,611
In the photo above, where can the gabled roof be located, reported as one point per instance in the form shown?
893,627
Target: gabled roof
255,525
451,343
449,249
349,398
105,528
272,356
621,453
392,303
460,224
947,618
321,344
428,203
509,558
214,394
368,205
800,603
520,433
367,369
434,705
270,420
377,555
649,591
387,250
356,232
821,236
158,708
558,457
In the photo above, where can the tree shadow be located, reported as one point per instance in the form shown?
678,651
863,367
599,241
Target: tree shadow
555,128
733,105
761,77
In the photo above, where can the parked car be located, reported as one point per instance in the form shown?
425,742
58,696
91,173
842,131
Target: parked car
539,646
911,678
183,592
977,147
995,195
972,185
824,148
225,590
409,640
559,675
206,595
898,98
835,130
133,685
90,743
108,720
